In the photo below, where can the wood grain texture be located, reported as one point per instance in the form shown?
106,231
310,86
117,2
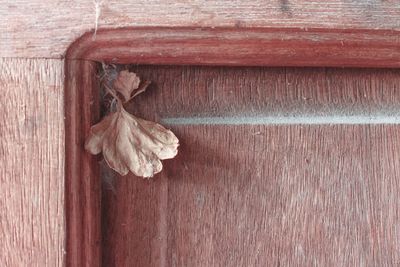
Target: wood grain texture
32,163
45,29
82,200
241,47
32,218
264,194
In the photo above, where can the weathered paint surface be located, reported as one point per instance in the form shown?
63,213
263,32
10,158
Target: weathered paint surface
262,194
37,28
32,129
32,163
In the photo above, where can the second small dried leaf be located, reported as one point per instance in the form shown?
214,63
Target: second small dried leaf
125,83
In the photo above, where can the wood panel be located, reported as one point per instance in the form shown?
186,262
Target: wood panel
32,163
192,92
46,28
262,194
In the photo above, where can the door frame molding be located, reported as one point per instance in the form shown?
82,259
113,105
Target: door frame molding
184,46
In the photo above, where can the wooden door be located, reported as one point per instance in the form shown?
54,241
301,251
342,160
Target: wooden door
50,193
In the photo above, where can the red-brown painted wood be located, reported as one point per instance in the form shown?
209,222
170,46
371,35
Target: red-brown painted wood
230,47
30,30
32,231
82,183
262,195
241,46
35,32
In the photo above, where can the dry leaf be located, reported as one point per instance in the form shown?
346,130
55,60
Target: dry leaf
125,83
129,143
132,144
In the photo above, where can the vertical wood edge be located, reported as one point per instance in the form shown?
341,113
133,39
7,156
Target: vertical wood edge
82,183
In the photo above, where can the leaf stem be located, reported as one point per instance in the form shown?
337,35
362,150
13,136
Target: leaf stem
140,90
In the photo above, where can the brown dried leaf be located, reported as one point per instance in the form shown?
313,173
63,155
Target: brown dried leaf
132,144
125,83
